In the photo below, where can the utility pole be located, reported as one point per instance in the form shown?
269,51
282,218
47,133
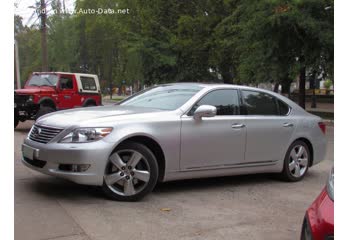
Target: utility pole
18,78
43,16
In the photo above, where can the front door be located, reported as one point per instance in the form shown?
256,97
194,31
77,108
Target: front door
66,91
214,142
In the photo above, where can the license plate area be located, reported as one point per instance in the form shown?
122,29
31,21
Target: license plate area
29,152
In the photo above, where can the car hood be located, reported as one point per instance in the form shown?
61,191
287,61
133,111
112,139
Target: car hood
91,115
34,90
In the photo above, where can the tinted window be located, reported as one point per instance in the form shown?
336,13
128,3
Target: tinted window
66,82
283,107
166,97
88,83
258,103
225,101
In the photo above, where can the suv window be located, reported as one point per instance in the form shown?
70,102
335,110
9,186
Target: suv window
226,102
88,83
66,82
259,103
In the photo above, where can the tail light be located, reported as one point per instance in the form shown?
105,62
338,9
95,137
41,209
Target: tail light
322,126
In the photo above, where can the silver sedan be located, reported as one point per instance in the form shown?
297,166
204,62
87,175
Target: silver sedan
176,131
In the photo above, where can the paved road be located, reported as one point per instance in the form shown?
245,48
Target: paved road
243,207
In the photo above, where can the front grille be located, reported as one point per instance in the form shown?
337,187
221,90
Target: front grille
36,163
43,134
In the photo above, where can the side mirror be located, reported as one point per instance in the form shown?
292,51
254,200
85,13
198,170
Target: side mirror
204,111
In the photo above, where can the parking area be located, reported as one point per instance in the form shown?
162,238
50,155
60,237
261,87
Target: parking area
239,207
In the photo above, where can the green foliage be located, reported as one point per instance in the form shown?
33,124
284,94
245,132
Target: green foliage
328,83
233,41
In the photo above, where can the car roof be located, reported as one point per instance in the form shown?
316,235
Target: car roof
211,86
214,85
81,74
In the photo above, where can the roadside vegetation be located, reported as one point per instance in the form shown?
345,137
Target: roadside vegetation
230,41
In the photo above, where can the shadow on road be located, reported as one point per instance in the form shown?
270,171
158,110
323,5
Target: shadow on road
60,189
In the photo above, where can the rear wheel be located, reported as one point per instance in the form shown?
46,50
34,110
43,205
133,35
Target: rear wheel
296,162
43,110
131,172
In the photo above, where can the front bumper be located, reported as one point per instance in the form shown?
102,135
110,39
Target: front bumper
319,218
49,159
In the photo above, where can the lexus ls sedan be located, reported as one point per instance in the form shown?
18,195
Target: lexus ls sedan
176,131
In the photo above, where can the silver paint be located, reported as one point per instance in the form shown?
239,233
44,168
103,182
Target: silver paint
193,147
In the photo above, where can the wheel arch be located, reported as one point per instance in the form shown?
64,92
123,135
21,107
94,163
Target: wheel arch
88,101
47,102
152,145
309,144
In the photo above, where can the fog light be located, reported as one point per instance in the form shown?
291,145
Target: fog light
74,167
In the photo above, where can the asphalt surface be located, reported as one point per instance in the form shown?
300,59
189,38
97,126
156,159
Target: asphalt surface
240,207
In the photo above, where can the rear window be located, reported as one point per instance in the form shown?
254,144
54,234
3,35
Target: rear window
283,108
88,83
259,103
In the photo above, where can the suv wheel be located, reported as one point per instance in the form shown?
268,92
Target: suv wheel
296,162
42,111
131,172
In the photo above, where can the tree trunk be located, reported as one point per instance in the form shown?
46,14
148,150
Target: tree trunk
226,74
286,87
275,88
302,78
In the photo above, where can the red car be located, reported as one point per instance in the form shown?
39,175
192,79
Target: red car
45,92
319,218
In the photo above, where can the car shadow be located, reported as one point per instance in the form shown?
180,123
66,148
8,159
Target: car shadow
60,189
214,182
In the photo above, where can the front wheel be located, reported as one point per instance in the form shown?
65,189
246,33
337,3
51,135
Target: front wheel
296,162
131,172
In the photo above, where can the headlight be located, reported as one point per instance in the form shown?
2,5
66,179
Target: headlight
83,135
330,185
30,99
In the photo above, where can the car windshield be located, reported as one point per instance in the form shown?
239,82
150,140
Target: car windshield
165,97
43,80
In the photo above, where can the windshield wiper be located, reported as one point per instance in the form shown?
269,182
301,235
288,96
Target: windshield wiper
47,79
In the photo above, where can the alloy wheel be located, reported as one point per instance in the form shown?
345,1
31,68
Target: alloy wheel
298,161
127,173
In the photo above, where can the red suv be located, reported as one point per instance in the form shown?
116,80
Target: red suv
45,92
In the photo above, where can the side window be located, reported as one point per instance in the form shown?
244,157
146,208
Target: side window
66,82
283,107
259,103
88,83
225,101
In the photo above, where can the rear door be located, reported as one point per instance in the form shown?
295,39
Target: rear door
269,127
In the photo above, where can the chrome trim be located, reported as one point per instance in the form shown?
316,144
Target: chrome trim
43,134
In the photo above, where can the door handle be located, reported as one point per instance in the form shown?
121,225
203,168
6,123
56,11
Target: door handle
237,125
288,124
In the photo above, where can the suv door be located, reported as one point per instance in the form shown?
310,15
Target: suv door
269,128
66,91
214,141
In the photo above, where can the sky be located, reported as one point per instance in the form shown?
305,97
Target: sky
25,12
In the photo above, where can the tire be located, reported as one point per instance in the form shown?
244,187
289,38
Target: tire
296,162
91,105
125,181
42,111
16,119
305,231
